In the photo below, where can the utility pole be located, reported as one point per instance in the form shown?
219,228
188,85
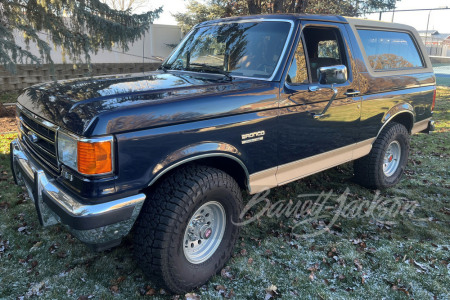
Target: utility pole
426,33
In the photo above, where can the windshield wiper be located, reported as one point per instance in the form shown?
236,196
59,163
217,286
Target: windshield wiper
164,68
215,69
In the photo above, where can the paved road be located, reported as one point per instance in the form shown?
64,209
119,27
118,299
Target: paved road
442,72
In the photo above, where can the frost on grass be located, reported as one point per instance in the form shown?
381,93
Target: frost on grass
357,258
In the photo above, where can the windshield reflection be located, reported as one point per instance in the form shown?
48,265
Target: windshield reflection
250,49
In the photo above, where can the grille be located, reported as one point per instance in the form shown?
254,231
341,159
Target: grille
40,137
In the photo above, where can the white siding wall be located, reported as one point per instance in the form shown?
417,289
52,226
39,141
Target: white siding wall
145,50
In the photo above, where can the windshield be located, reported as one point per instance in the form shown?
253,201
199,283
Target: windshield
241,49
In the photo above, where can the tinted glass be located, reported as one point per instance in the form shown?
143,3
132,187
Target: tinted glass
242,49
325,49
387,50
298,72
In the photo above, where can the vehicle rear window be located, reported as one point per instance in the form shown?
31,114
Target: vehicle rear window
387,50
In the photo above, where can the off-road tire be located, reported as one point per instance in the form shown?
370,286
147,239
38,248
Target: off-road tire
369,169
160,228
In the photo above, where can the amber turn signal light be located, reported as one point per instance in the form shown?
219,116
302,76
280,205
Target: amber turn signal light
94,158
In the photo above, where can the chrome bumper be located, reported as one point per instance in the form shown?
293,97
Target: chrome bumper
101,225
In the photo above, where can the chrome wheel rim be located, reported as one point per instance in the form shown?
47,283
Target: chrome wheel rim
204,232
391,158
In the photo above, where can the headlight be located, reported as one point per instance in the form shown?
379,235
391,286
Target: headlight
87,156
67,150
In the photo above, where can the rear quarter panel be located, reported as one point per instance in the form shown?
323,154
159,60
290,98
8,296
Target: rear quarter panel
390,92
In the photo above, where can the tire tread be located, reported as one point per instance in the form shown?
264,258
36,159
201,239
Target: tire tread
160,217
367,168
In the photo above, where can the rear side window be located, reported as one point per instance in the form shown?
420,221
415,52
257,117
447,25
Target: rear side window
387,50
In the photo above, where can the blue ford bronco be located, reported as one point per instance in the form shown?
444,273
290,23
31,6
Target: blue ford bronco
245,103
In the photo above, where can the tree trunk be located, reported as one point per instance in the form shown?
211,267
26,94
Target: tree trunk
254,7
300,6
278,6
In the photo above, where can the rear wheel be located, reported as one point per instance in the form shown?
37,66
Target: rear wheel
184,234
384,166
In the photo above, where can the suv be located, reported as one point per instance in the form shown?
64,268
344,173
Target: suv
242,103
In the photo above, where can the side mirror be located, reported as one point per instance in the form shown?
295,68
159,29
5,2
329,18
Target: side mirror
332,74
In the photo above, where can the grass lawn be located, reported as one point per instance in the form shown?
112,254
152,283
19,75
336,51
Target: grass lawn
375,256
8,97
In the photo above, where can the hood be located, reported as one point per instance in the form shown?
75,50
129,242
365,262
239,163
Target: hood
78,105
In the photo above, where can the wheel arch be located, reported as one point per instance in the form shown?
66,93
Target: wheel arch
402,113
204,154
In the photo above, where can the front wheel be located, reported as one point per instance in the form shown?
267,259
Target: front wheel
185,234
383,167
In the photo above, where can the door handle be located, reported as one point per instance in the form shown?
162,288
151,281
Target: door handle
351,93
314,88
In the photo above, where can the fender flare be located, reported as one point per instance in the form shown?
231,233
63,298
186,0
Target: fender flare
401,108
195,152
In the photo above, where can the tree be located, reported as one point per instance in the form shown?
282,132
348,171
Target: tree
198,12
124,5
388,61
79,27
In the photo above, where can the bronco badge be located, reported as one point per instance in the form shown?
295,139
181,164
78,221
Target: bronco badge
253,137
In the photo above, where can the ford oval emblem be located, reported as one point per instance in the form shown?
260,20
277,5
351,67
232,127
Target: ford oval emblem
32,137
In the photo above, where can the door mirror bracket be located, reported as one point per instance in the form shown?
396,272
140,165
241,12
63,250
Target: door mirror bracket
316,88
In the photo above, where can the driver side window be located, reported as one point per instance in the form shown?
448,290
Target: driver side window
323,47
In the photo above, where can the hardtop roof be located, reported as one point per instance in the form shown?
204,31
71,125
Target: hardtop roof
358,22
288,17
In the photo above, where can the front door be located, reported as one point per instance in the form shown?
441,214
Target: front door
314,133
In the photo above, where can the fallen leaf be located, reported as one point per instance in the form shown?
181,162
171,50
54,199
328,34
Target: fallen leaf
53,247
271,292
34,264
358,264
421,268
229,294
221,289
191,296
403,290
150,292
4,244
120,279
226,273
356,241
4,205
36,245
250,261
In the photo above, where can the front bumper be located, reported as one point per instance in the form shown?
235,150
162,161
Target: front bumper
99,225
